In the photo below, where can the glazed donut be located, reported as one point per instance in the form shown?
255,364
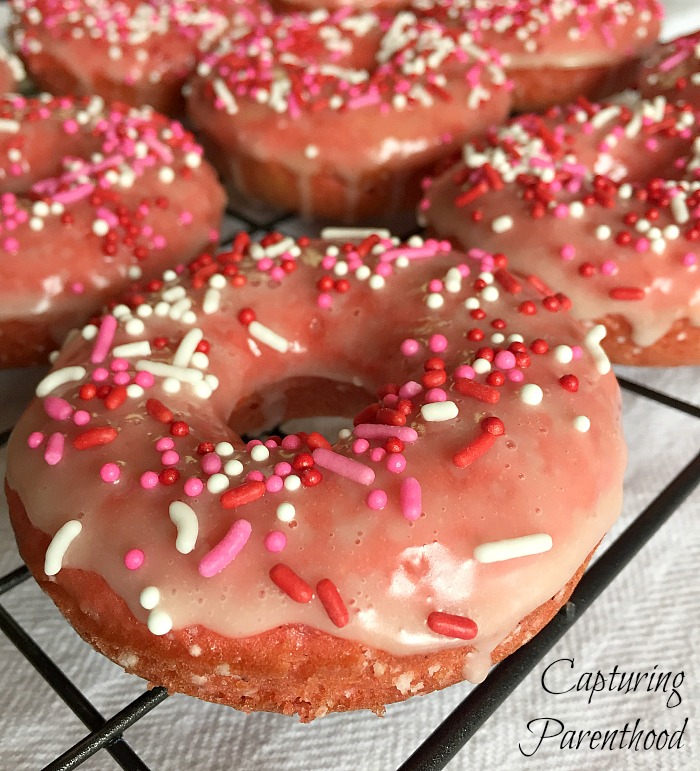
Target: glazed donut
135,51
91,197
293,575
340,116
673,71
556,50
602,202
11,71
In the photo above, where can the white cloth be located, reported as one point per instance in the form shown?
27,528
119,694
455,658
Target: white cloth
648,618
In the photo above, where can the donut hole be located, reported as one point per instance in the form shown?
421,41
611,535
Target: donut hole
306,403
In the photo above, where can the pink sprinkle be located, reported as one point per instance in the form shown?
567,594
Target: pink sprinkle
568,252
390,400
437,343
119,365
169,458
504,360
71,126
104,339
144,379
165,443
641,245
410,389
359,446
275,541
609,268
291,442
465,371
689,259
77,288
255,476
283,469
227,549
376,454
435,285
324,300
57,408
435,395
110,472
149,480
211,463
577,352
35,439
81,417
100,374
134,558
54,449
561,211
377,499
396,463
410,498
270,443
345,467
515,375
273,484
193,487
122,378
410,347
378,431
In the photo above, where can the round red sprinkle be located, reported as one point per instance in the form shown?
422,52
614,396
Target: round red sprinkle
404,406
393,444
539,346
475,334
496,378
246,316
303,460
103,391
434,378
203,448
528,308
551,303
325,283
310,477
569,383
179,428
87,391
168,476
493,425
485,353
434,363
160,342
586,269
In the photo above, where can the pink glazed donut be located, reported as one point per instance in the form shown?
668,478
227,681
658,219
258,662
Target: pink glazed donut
295,575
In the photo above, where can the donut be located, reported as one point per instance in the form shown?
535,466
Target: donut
92,196
556,50
602,201
135,51
673,71
402,93
11,71
294,575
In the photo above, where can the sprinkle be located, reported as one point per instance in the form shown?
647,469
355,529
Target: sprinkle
242,494
410,496
187,524
436,412
133,559
149,480
58,547
161,369
474,450
138,348
479,391
502,224
332,602
449,625
158,411
54,449
275,541
627,293
110,473
259,453
345,467
217,483
563,354
227,549
286,512
291,584
58,409
353,234
35,439
116,397
94,437
511,548
104,339
159,622
582,423
531,394
266,336
377,500
592,341
58,378
187,347
376,431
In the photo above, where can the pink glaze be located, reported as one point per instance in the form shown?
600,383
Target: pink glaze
673,71
625,263
398,550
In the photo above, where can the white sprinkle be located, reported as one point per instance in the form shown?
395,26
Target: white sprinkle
434,301
266,336
159,622
134,391
531,394
292,482
259,453
481,366
490,294
217,281
212,298
472,303
58,378
603,232
187,347
187,524
9,126
224,449
679,209
563,354
58,547
137,348
199,360
166,175
233,468
436,412
376,282
511,548
149,597
311,151
217,483
161,369
286,512
363,273
351,234
227,98
100,227
135,327
202,390
502,224
89,332
171,385
592,341
582,423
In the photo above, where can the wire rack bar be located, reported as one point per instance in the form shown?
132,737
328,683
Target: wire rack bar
454,732
657,396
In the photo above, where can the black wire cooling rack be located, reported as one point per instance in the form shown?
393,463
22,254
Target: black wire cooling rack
441,746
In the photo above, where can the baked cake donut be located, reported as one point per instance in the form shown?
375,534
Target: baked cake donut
339,116
673,71
484,465
135,51
11,71
602,201
556,50
92,196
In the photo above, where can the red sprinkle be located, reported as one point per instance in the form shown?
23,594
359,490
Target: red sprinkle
474,450
116,397
290,583
332,602
569,383
94,437
450,625
627,293
246,316
493,425
478,391
87,391
246,493
508,281
158,411
315,440
179,428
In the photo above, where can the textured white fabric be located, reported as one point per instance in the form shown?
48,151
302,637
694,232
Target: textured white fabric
648,618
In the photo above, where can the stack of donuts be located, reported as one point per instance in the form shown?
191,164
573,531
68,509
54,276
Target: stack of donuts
204,549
